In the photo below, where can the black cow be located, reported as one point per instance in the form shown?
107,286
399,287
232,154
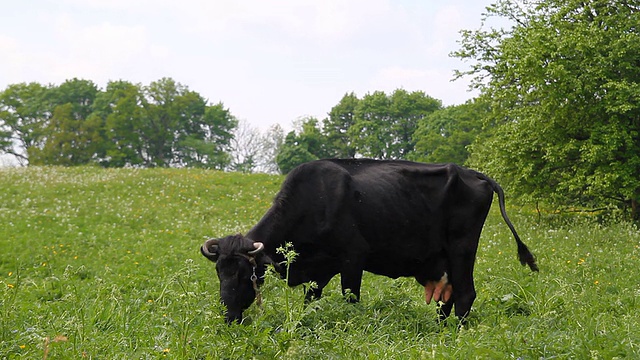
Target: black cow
393,218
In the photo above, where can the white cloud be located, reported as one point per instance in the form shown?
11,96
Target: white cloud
406,78
329,20
107,48
11,57
447,21
434,82
268,61
99,52
138,6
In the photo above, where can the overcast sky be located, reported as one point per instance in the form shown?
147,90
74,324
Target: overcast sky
267,61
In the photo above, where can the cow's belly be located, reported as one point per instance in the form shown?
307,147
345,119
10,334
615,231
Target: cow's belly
430,266
394,268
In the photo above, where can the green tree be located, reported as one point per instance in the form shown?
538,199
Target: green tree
119,107
205,140
444,135
337,125
371,133
407,110
306,144
69,141
160,122
71,137
564,88
292,155
179,128
163,124
23,115
384,125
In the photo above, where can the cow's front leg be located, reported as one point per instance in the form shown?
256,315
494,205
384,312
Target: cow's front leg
315,292
351,279
312,293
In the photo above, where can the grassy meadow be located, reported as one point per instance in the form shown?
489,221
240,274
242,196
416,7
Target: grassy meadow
105,264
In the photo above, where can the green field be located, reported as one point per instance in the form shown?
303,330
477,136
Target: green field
105,264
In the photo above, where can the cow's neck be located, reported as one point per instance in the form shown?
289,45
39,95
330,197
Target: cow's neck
267,231
270,231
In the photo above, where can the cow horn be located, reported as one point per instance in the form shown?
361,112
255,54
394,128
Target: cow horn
211,243
259,247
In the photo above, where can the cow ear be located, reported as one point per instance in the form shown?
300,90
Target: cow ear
210,249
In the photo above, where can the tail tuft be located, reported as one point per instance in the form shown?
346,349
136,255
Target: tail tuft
526,257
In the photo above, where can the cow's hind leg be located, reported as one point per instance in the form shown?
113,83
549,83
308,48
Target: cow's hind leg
464,292
464,236
351,279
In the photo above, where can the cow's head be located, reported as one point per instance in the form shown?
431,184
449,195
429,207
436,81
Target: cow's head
240,265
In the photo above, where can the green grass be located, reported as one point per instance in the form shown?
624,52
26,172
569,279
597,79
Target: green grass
106,265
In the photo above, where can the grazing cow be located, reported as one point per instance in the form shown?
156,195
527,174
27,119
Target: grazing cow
392,218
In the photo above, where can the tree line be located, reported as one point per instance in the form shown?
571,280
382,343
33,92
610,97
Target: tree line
75,123
165,124
400,125
557,121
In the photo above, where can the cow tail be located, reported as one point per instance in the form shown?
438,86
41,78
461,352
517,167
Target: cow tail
524,255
